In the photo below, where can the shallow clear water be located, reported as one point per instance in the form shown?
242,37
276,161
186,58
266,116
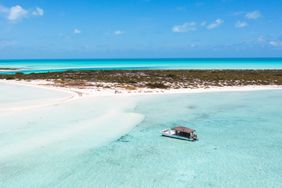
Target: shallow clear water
30,66
240,143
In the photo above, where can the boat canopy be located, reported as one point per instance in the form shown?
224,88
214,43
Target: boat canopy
183,129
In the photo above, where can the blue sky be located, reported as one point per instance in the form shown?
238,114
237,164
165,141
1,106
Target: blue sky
140,28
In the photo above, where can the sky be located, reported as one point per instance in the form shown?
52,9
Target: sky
38,29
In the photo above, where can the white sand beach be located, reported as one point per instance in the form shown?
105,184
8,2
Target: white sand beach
115,91
45,119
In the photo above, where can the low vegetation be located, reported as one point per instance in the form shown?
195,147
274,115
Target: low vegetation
8,69
158,78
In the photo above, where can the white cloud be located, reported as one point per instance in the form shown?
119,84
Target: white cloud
16,13
76,31
253,15
193,26
276,43
38,12
240,24
215,24
269,41
188,26
118,32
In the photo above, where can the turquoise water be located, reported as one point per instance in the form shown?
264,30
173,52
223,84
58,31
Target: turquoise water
30,66
240,145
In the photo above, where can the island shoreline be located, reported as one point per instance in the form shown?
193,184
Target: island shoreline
114,82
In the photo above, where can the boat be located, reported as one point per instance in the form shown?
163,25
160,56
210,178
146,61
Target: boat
180,132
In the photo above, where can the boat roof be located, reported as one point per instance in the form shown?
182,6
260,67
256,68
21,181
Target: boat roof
183,129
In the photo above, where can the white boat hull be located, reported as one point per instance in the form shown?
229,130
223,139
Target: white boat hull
170,133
